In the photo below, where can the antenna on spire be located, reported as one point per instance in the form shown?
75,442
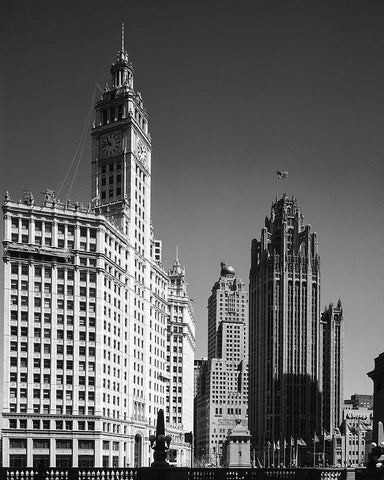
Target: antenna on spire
122,37
177,252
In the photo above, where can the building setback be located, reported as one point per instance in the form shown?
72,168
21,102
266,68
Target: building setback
222,394
86,310
284,329
359,400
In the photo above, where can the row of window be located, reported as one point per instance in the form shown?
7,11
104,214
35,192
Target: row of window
62,228
37,363
46,409
46,394
39,302
62,273
45,443
47,317
46,363
46,348
60,289
47,332
23,378
111,193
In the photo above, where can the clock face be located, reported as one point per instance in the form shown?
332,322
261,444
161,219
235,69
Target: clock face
110,144
141,150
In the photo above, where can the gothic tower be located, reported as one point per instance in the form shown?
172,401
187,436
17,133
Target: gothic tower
284,325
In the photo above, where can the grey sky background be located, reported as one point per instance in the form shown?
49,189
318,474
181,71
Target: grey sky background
235,91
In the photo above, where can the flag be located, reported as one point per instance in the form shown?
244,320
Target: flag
301,442
327,436
278,445
285,443
281,174
268,445
274,445
315,438
292,442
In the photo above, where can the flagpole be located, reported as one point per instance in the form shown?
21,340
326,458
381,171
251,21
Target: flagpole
345,444
277,187
279,174
323,449
297,452
284,453
314,447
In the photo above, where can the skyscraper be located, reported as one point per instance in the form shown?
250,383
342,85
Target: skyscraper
332,328
86,308
224,380
284,326
180,353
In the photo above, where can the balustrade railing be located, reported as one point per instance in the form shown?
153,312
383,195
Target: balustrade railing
189,474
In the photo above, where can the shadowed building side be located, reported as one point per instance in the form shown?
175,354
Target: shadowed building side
284,328
377,375
332,328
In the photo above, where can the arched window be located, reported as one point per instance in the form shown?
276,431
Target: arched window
138,449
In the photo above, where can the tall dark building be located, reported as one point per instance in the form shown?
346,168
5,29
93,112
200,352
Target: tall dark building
377,375
332,326
284,328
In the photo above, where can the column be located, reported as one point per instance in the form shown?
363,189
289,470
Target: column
52,452
5,452
29,452
75,453
98,453
121,454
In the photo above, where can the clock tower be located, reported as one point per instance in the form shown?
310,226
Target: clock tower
121,151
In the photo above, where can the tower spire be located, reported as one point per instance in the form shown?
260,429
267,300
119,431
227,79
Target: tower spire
177,253
122,70
122,37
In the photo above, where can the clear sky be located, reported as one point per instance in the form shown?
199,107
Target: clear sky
235,91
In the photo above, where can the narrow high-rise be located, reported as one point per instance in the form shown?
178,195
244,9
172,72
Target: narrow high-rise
86,311
180,354
284,329
222,396
332,328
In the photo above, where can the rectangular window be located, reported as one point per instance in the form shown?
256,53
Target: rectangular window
43,443
64,444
